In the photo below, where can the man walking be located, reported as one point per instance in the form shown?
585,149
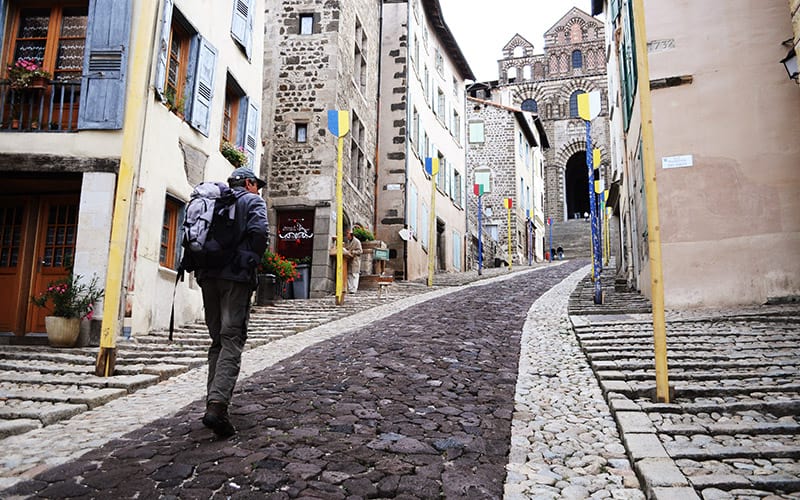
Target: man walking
226,298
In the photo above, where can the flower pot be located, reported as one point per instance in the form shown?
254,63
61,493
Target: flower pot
300,285
267,292
62,332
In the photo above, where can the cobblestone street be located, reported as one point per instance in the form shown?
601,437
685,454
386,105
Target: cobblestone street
472,389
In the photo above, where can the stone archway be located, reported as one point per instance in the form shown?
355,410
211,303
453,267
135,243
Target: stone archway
576,186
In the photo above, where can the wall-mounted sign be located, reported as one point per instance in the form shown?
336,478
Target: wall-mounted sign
393,187
677,161
380,254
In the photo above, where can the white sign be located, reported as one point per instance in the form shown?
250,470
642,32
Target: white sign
393,187
677,161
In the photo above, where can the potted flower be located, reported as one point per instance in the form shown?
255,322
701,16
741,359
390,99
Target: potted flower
363,233
25,73
72,299
233,154
274,270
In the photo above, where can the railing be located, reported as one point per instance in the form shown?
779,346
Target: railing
52,107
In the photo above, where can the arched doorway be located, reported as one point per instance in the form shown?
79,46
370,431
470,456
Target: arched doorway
576,186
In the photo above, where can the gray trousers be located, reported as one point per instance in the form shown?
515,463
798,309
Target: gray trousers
227,312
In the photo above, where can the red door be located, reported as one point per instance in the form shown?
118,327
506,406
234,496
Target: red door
14,218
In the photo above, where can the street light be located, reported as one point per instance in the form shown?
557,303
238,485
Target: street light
790,63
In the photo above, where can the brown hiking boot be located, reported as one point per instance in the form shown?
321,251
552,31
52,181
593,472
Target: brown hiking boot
216,419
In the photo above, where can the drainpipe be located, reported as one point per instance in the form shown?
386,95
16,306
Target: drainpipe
132,129
377,129
408,136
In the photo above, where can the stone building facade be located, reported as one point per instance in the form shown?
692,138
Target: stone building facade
319,56
421,116
573,62
505,147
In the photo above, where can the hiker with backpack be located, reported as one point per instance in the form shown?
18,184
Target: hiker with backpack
225,267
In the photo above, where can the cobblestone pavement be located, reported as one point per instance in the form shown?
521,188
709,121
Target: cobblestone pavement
417,404
731,431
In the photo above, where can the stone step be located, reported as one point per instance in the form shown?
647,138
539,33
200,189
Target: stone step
88,396
130,383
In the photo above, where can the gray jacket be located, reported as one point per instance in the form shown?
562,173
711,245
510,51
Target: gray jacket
251,223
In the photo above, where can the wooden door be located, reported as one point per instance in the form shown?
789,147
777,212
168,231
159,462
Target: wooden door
56,232
14,213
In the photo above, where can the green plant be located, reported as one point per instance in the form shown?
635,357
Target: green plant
363,233
173,104
72,297
233,154
24,71
284,269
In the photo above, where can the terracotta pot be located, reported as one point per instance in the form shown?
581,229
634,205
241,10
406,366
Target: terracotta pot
62,332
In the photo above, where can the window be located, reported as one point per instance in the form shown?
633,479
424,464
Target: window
627,64
240,119
411,215
306,24
439,62
416,50
242,24
476,133
577,59
457,250
357,152
573,104
530,105
359,61
415,138
54,35
186,69
575,33
456,126
440,104
301,132
458,190
169,253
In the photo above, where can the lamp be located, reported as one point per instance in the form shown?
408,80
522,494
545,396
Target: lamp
790,63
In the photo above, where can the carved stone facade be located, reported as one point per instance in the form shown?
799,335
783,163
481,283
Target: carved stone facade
319,56
573,62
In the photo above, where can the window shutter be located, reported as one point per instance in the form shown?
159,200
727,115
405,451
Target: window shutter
203,86
242,24
249,122
105,64
163,48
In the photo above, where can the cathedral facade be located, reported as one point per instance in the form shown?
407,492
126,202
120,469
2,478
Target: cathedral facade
548,84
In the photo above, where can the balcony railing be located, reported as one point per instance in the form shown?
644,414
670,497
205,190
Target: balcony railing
52,107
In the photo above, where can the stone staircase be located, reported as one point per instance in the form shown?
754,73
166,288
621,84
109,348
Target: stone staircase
42,385
574,236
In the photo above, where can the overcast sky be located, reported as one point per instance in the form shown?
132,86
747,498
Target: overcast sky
482,28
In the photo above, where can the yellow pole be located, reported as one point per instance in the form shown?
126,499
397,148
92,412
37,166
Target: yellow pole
339,226
651,192
510,257
131,142
432,228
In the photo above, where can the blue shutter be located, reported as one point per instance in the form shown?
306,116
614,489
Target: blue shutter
3,8
163,48
105,64
203,86
242,24
251,132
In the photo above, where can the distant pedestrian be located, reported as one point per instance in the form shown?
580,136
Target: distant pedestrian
560,252
353,251
226,298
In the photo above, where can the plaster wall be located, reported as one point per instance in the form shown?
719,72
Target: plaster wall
729,227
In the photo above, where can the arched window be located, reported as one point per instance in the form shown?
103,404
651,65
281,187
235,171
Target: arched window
563,63
573,103
553,65
511,74
530,105
519,51
575,33
577,59
526,72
